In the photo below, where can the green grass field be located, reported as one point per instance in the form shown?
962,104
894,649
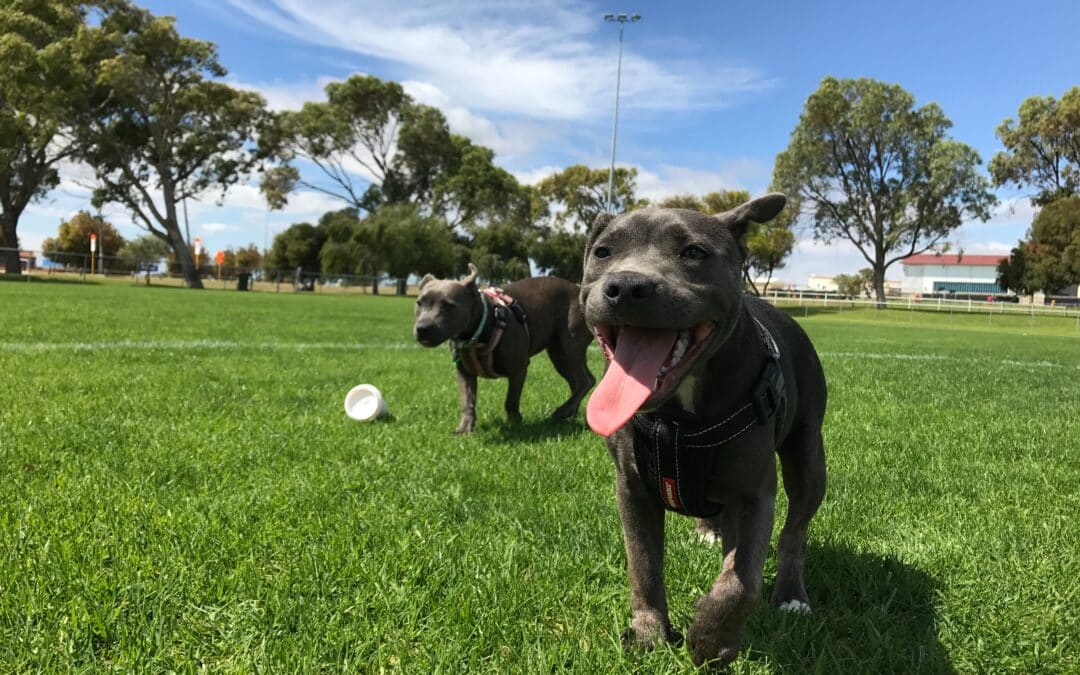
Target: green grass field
181,490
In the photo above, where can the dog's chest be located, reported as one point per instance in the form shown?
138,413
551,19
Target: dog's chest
685,394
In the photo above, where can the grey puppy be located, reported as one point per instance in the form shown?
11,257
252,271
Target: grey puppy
704,386
455,311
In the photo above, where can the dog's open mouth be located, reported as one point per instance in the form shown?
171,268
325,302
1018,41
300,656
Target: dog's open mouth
646,364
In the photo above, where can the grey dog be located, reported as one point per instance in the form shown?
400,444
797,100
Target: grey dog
544,313
704,385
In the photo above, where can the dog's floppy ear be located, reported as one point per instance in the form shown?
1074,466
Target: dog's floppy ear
470,280
760,210
427,278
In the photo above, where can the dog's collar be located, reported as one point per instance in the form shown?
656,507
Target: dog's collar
676,450
457,345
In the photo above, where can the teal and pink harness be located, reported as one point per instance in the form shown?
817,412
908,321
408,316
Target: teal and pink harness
476,354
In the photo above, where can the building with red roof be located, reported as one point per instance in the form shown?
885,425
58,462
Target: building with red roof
951,273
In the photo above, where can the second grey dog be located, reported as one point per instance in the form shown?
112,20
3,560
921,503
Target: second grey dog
704,387
458,311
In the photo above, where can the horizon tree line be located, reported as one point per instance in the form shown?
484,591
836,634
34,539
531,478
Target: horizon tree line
110,85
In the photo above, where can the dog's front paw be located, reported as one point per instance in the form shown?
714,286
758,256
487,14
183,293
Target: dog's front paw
711,638
648,632
466,426
564,412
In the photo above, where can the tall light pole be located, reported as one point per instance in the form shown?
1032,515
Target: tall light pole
622,20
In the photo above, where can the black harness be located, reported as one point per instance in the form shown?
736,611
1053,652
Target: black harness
677,454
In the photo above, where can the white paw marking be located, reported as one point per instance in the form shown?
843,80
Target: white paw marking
709,537
796,607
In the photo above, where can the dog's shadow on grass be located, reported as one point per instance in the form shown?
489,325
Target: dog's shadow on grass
531,431
871,614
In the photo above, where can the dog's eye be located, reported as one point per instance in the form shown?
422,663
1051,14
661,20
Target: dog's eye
694,252
601,252
447,304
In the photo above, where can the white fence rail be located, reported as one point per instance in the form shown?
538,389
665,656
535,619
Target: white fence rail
938,304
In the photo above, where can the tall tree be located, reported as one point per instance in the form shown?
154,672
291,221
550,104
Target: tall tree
572,199
142,250
297,246
1050,258
1042,148
371,143
72,242
43,89
472,192
339,253
1013,273
400,241
879,172
166,133
501,252
767,247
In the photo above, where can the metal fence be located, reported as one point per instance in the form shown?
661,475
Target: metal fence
80,268
77,267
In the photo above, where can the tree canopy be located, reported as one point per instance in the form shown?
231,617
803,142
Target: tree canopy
877,171
371,143
1042,147
1049,260
297,247
144,249
166,132
570,201
71,245
43,90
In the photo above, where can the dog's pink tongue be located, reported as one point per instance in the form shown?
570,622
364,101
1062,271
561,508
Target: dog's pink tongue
639,353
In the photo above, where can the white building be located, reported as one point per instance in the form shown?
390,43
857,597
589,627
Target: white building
822,282
945,273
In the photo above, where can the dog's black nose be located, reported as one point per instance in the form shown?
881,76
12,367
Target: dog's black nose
424,331
629,287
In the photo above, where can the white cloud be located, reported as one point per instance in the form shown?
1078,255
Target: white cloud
287,95
668,180
219,227
538,60
1011,211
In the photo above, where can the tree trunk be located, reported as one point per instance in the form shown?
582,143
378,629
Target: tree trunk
10,243
879,286
184,257
375,285
172,228
402,286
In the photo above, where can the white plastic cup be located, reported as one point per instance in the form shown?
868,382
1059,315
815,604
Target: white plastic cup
364,403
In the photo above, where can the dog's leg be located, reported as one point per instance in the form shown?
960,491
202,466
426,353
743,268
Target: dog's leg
467,386
802,461
643,534
575,371
722,613
513,394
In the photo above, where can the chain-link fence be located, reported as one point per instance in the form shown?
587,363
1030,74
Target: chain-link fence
84,268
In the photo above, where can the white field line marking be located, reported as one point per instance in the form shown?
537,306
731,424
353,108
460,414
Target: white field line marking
941,357
179,345
889,357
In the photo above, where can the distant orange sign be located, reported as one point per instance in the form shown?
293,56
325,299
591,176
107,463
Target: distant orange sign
220,257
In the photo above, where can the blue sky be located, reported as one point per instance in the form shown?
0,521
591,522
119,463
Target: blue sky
711,91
